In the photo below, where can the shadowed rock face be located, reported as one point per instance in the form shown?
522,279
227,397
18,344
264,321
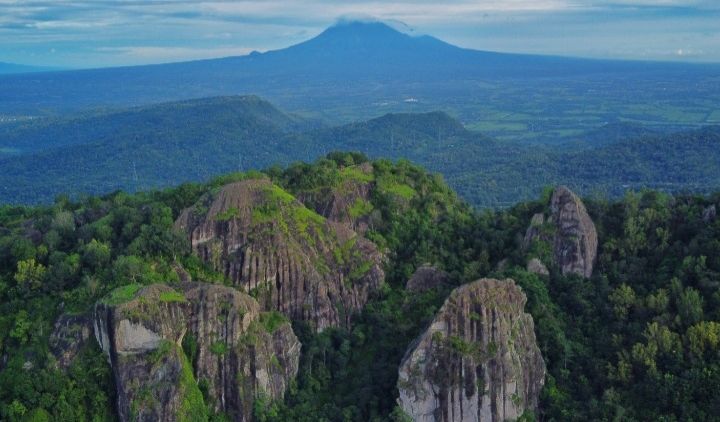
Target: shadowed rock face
235,352
536,266
709,214
292,259
70,334
427,277
478,360
570,232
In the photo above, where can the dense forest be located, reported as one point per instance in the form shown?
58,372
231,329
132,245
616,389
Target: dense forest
639,340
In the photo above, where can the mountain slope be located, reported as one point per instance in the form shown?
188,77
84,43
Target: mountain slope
219,118
146,147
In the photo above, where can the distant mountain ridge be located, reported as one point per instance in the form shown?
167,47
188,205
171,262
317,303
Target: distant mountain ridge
157,146
249,115
350,64
10,68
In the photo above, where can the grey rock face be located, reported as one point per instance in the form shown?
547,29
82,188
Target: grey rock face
478,360
709,214
536,266
426,278
570,232
237,352
294,260
535,231
70,334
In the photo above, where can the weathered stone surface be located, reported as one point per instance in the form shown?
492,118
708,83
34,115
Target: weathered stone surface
534,231
570,232
236,352
709,214
347,203
478,360
292,259
427,277
182,273
70,334
536,266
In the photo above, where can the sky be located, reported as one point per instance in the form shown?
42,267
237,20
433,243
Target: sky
100,33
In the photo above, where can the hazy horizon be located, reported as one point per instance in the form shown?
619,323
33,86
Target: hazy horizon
85,34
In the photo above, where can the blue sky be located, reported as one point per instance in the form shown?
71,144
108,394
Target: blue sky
97,33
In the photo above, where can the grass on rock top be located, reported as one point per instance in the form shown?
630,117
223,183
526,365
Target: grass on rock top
172,296
356,174
122,294
282,208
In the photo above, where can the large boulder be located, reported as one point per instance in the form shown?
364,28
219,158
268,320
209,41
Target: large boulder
478,360
166,343
289,257
427,277
569,231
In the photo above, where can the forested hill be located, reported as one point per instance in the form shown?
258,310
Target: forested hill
158,146
239,116
632,334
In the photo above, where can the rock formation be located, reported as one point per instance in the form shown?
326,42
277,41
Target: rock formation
709,214
536,266
569,231
478,360
349,201
292,259
164,344
70,334
427,277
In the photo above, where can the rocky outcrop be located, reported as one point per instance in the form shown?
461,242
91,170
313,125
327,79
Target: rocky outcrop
165,343
427,277
537,267
478,360
70,334
569,231
292,259
349,201
709,214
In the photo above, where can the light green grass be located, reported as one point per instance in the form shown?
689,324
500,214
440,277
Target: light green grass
122,294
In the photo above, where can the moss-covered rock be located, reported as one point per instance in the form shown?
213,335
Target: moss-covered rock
478,360
286,255
233,350
566,236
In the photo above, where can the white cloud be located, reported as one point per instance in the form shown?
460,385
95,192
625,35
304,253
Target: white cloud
98,31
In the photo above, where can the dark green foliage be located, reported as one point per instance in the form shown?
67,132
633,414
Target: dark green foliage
640,340
64,258
84,393
602,364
